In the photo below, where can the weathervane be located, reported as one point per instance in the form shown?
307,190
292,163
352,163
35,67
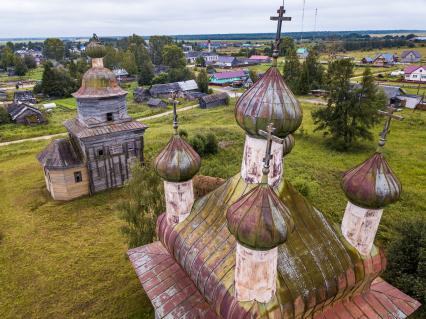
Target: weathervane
175,116
280,20
386,130
268,153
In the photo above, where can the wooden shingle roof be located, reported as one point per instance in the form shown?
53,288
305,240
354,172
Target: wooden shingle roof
59,154
81,131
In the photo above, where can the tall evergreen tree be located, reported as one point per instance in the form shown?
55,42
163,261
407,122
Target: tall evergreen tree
312,73
20,67
146,73
203,81
350,112
292,70
54,49
156,46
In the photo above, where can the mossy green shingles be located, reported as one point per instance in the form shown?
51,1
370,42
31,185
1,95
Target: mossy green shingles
269,101
372,184
309,262
95,49
259,220
178,162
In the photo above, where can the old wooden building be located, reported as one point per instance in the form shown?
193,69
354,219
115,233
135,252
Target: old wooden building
25,113
103,140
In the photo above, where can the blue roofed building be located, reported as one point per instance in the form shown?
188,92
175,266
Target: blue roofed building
302,53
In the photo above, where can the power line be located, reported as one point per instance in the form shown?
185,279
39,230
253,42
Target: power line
303,19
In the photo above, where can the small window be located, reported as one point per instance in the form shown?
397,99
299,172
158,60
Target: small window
110,117
77,177
100,152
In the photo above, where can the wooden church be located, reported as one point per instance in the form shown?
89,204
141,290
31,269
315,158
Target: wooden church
103,140
255,247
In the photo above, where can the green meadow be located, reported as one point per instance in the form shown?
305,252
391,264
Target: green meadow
67,260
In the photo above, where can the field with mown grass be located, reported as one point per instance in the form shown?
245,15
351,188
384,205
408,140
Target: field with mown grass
67,260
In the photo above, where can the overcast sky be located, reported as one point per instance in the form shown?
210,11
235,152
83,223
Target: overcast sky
42,18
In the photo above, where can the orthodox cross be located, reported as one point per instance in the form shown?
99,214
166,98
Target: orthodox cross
269,139
175,116
389,114
280,20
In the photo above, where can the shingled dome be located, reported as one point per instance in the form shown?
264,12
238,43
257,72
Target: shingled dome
178,162
95,49
372,184
269,100
259,220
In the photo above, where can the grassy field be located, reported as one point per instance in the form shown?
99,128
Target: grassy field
67,260
35,75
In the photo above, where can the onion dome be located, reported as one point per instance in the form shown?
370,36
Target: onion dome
372,184
269,100
288,144
178,162
95,49
259,220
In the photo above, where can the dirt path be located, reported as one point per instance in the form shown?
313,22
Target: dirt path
47,137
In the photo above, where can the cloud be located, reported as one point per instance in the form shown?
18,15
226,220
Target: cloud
32,18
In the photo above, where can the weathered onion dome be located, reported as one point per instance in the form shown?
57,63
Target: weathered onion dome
95,49
372,184
269,100
178,162
288,144
259,220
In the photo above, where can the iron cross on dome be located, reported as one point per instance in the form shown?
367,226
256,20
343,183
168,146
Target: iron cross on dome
386,130
280,20
175,116
269,139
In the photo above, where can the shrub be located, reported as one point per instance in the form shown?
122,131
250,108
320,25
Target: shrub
205,144
198,143
406,267
143,203
211,146
4,116
304,185
183,133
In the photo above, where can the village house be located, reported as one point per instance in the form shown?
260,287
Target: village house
302,53
410,56
209,57
141,95
227,62
103,141
415,73
168,89
25,113
213,100
24,97
399,98
121,74
227,78
255,247
260,59
384,60
152,102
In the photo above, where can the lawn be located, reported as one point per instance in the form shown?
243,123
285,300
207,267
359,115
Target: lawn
67,260
35,74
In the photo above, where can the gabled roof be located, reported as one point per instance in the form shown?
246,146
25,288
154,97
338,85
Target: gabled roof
302,50
412,68
16,109
226,59
189,85
260,57
214,97
120,72
164,88
416,53
155,102
392,91
387,56
59,154
229,75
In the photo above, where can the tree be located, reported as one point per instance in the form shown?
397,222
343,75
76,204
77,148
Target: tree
4,116
350,112
7,57
129,63
30,62
173,56
56,82
200,61
160,78
146,73
203,81
292,70
312,73
144,201
253,75
20,67
406,267
156,46
54,49
287,46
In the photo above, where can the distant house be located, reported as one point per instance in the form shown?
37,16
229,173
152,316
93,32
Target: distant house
397,73
410,56
411,101
187,48
156,103
393,94
194,95
209,57
24,113
120,74
24,97
302,53
415,73
161,69
384,60
367,60
188,86
213,100
260,59
227,61
164,90
226,78
141,95
11,71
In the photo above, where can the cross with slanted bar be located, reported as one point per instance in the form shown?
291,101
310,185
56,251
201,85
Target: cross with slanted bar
389,114
269,139
280,20
175,116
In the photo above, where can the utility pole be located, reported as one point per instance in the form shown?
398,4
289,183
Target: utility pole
315,25
303,20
